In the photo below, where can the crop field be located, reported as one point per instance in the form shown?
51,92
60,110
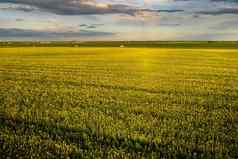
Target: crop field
111,102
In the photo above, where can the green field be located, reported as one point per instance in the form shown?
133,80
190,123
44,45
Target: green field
111,102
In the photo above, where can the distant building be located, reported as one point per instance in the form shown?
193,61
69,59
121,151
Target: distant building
122,46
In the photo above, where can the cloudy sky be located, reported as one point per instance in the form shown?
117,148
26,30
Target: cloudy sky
118,19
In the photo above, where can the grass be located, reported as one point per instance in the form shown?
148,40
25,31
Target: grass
62,102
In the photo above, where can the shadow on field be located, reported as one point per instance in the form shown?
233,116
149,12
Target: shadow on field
88,139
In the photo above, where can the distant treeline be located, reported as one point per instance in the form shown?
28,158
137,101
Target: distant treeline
160,44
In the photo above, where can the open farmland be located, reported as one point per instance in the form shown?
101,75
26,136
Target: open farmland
59,102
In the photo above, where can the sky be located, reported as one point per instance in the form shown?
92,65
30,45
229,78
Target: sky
90,20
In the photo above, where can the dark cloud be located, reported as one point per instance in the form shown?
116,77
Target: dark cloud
229,1
24,8
220,11
83,25
73,7
90,26
169,24
80,7
196,16
170,11
24,33
217,7
233,1
19,20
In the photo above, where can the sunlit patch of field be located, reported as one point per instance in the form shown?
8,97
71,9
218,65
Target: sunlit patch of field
118,102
